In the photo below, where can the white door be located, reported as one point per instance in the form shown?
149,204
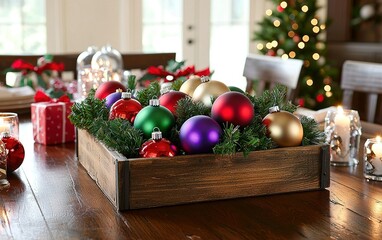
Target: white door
214,33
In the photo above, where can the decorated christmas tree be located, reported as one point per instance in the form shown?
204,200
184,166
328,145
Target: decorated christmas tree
294,30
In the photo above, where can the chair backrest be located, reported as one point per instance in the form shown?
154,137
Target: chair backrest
130,60
362,77
268,70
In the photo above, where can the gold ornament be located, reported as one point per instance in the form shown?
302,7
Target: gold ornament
189,86
283,127
209,88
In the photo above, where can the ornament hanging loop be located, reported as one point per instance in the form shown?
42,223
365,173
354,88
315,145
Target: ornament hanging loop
154,102
274,109
204,79
156,134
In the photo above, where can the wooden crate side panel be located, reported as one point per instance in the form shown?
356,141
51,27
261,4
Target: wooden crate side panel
100,163
184,179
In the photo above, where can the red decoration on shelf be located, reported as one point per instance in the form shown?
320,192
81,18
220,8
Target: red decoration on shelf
157,146
125,108
170,100
26,67
16,152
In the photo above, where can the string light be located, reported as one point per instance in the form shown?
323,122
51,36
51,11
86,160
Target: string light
301,45
274,43
284,56
322,26
309,82
268,45
294,26
283,4
292,54
276,23
260,46
314,21
320,45
268,12
280,51
327,88
291,34
304,8
329,94
316,56
316,29
305,38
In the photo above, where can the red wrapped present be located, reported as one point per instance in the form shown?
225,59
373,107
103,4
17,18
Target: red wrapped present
50,121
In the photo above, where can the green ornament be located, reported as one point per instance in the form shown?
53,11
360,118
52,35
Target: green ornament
235,89
153,116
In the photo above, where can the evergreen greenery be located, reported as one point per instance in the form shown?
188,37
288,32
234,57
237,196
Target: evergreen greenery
292,29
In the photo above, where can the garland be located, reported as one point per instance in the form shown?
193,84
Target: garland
120,135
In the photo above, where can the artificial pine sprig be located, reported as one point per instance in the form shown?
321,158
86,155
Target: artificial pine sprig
270,98
144,95
187,108
177,84
131,82
312,134
84,113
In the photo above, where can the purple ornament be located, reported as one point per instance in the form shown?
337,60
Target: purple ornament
199,134
112,98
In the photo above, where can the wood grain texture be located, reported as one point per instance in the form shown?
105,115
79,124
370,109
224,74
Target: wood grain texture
53,197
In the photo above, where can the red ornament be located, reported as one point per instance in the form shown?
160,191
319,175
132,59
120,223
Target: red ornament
170,100
107,88
125,108
157,146
233,107
16,152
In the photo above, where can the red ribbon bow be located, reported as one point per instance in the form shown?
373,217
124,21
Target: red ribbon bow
160,72
40,96
20,64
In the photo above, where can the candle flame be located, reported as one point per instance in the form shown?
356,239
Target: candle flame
378,139
340,110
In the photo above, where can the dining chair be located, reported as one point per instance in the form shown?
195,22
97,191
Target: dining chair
364,77
269,71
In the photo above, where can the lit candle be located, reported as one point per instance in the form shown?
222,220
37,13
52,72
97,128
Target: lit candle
377,161
4,126
342,127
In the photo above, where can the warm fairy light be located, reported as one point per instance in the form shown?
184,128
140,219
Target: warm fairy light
316,56
294,26
322,26
292,54
305,38
291,34
327,88
274,43
315,29
301,45
276,23
283,4
314,21
280,52
304,8
329,94
320,45
268,45
309,82
260,46
306,63
284,56
268,12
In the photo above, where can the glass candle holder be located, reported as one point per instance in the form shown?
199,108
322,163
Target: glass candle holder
4,183
372,156
9,122
343,131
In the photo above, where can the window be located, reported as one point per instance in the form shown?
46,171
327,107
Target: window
22,27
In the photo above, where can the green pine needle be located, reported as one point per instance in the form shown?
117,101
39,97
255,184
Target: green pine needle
187,108
312,134
144,95
131,82
177,84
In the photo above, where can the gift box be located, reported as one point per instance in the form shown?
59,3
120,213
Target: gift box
51,124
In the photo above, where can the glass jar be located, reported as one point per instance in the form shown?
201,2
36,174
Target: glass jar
108,58
9,123
343,131
372,156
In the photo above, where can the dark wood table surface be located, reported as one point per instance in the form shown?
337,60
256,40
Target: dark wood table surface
52,197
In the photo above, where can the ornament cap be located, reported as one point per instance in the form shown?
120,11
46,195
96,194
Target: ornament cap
154,102
156,134
205,79
119,90
274,109
125,95
165,89
5,135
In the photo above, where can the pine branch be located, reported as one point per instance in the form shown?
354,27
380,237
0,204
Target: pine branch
131,82
188,108
312,134
84,113
177,84
144,95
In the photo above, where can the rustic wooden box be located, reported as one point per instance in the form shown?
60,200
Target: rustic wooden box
143,182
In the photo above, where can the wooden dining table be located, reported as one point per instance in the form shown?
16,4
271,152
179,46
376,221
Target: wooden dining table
51,196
